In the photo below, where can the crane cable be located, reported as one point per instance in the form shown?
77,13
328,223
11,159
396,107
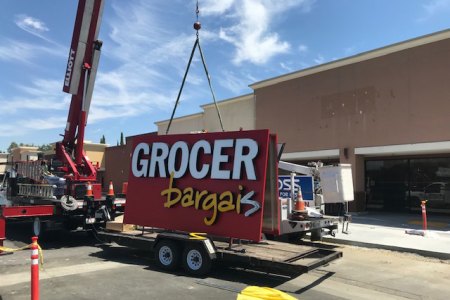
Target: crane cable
197,27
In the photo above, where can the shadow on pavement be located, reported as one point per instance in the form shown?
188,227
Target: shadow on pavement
411,220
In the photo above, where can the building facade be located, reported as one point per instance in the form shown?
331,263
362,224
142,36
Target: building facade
384,111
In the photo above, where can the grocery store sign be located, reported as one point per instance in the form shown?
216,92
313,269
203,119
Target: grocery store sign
210,182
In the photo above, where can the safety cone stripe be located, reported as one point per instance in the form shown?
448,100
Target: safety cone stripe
111,189
89,189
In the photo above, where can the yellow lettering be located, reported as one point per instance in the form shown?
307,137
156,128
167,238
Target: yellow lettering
171,201
202,200
238,200
226,205
188,197
198,197
197,236
209,203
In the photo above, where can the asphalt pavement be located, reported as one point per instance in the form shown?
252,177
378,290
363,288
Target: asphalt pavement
397,232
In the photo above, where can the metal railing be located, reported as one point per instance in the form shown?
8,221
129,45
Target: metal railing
36,190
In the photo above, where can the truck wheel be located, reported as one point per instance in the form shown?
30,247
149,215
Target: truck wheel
295,237
167,255
316,235
195,260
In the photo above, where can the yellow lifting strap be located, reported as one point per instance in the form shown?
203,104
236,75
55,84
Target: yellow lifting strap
11,250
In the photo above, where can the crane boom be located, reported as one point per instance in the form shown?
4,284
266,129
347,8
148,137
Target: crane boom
82,64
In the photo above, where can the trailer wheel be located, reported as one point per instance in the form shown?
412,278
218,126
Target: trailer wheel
316,235
167,255
195,260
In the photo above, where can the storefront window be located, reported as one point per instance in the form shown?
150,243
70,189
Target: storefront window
400,184
430,180
386,184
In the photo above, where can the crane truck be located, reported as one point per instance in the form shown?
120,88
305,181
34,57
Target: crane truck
58,198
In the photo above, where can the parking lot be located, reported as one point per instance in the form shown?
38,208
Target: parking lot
81,267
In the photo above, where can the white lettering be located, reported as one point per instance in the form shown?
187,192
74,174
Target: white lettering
247,159
69,67
219,158
183,147
200,160
193,159
139,166
159,155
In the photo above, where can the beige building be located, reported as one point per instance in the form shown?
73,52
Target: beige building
24,153
3,164
384,111
236,113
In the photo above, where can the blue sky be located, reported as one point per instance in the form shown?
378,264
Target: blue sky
146,46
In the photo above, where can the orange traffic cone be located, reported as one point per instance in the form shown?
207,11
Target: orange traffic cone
300,204
110,189
89,189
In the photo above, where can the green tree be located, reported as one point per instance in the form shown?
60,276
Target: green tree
45,147
121,139
103,140
13,145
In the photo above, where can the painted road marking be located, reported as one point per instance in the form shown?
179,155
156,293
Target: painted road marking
24,277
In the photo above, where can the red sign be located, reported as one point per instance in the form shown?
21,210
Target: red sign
209,182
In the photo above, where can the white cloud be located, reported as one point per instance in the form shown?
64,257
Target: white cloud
40,95
34,27
435,6
13,50
214,7
286,67
350,50
319,59
252,36
232,82
303,48
16,51
30,24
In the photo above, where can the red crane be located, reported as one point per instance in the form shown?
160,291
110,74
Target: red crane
84,56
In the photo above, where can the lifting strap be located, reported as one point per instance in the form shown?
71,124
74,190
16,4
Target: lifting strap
197,27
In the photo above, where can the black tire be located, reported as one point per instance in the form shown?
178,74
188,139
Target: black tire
295,237
167,255
195,260
316,235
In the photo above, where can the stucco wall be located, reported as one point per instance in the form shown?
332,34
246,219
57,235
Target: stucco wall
235,113
399,98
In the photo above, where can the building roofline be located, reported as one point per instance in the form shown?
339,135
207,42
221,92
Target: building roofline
228,101
364,56
187,117
208,105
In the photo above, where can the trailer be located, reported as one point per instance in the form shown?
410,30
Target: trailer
197,253
207,198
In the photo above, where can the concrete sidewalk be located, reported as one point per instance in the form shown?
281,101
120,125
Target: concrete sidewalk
387,231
